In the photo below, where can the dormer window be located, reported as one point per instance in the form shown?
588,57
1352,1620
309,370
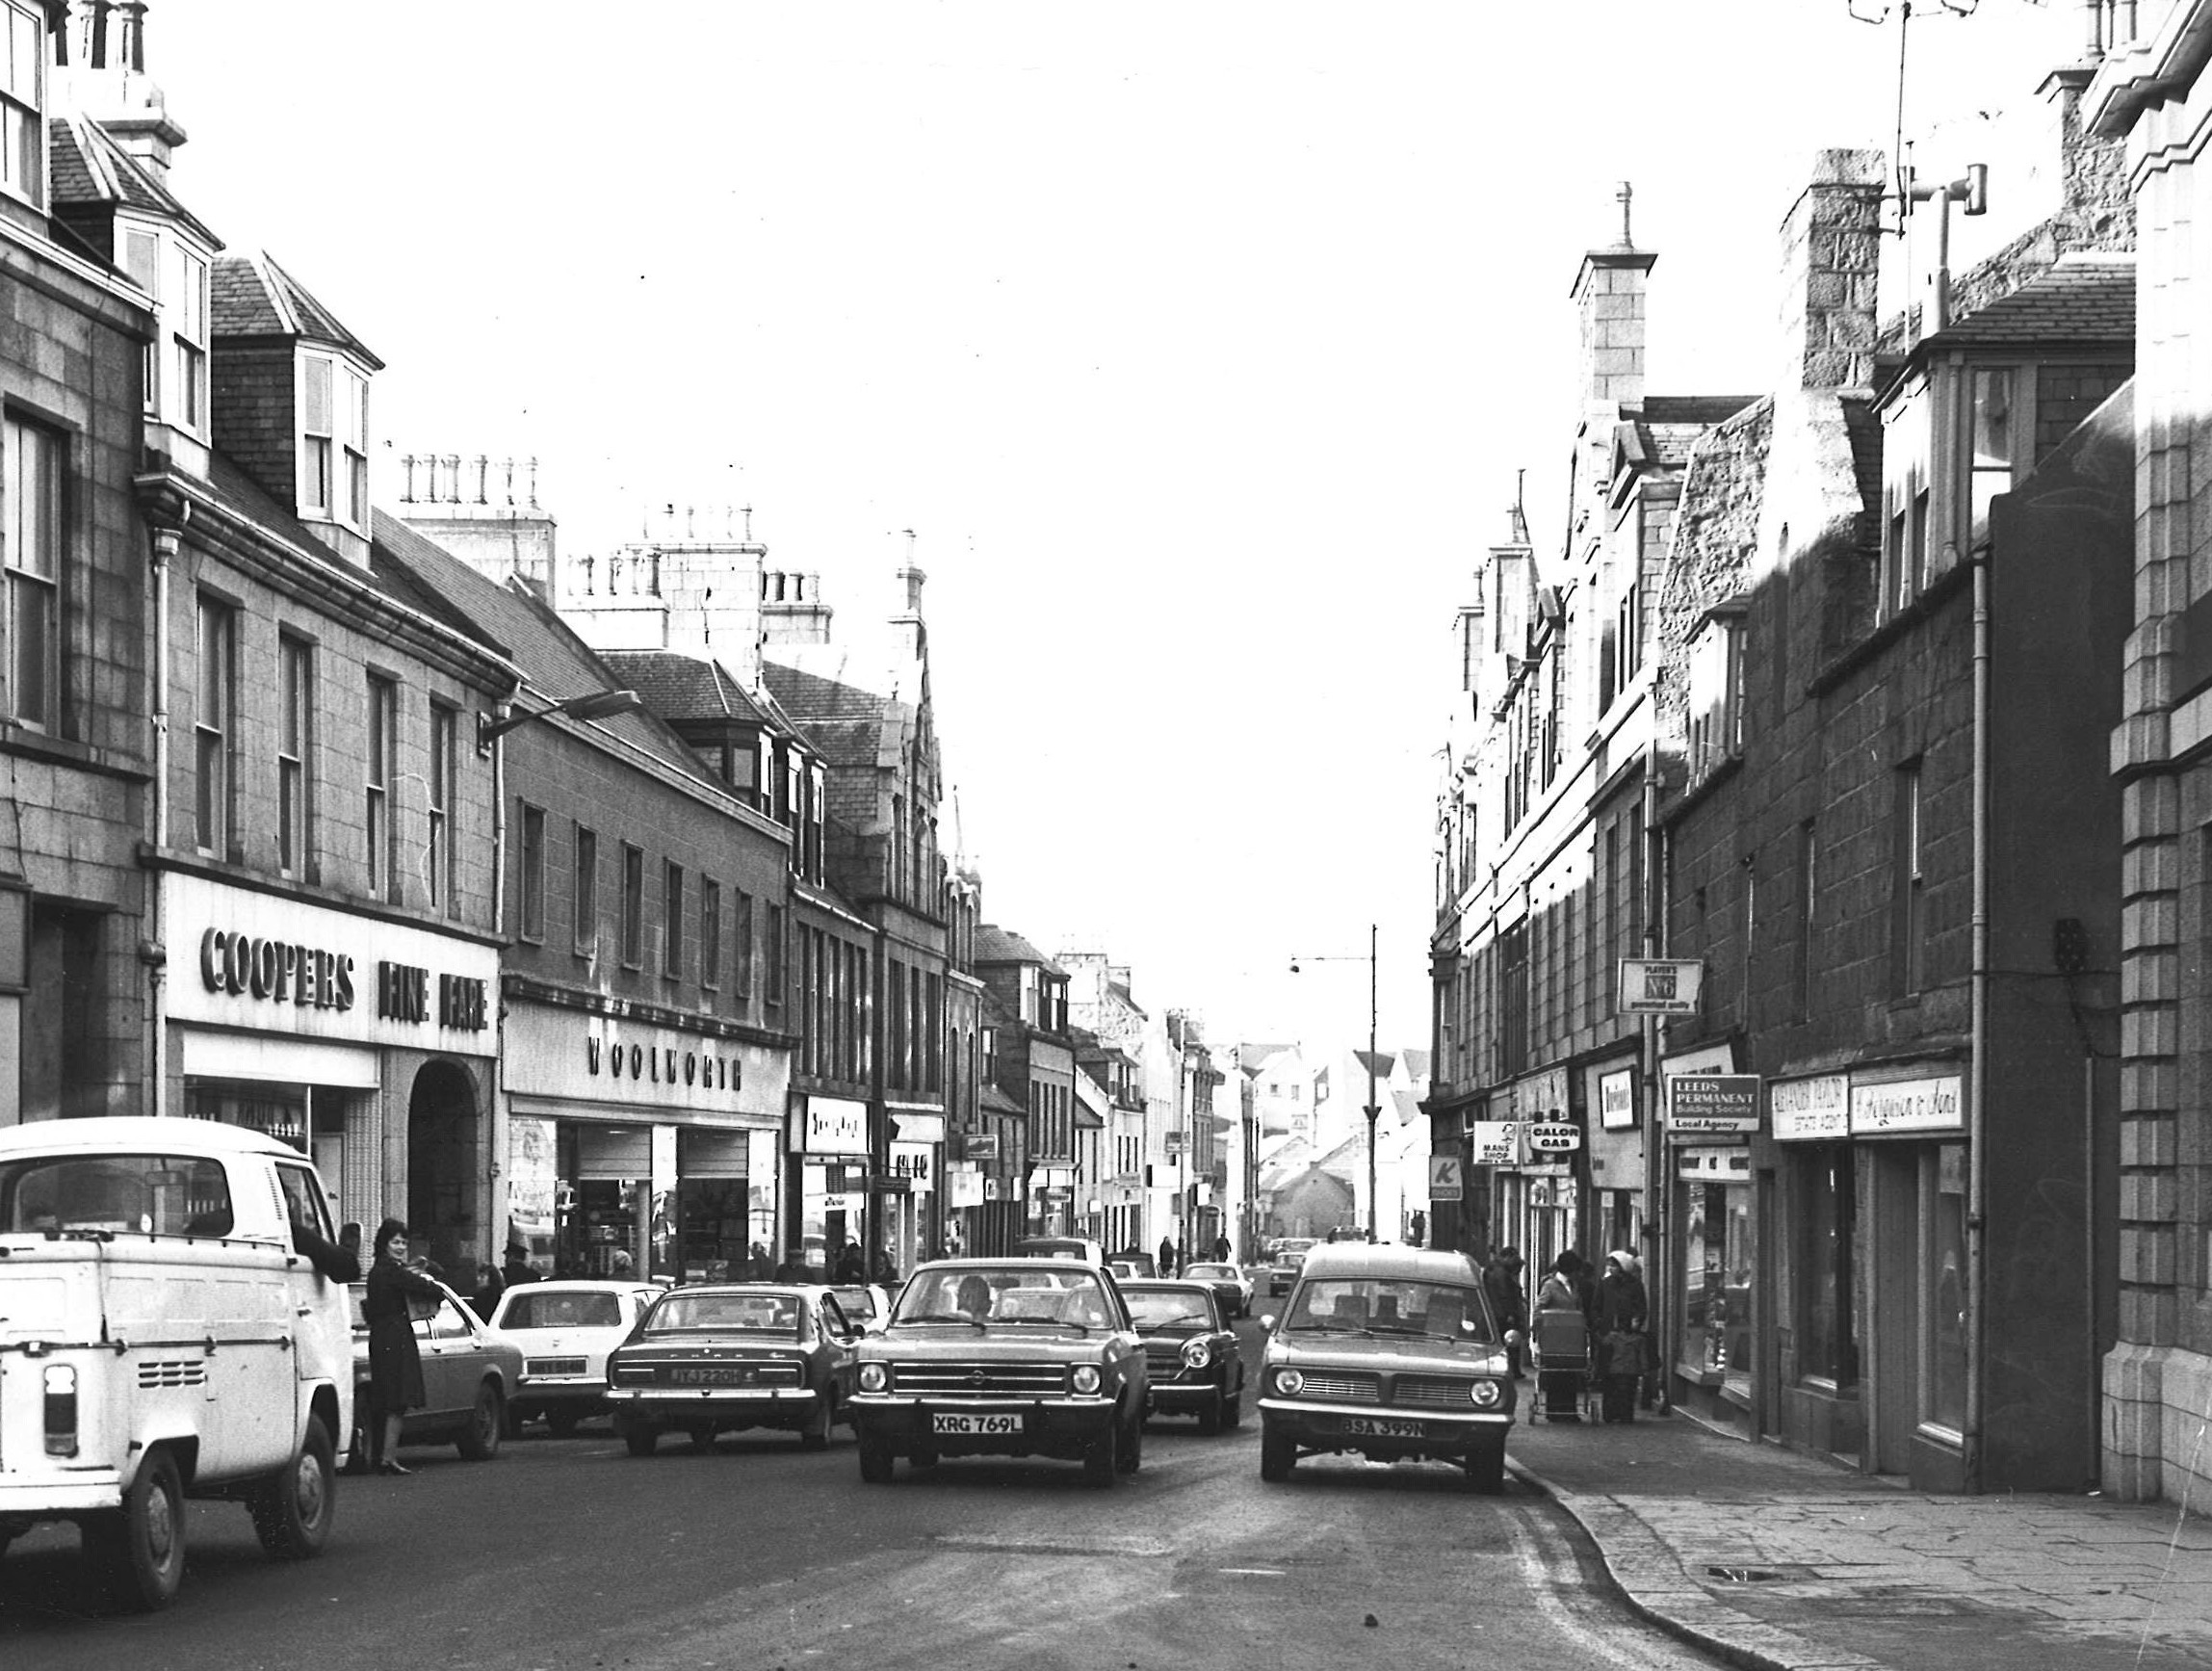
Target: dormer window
22,103
1716,692
184,311
333,441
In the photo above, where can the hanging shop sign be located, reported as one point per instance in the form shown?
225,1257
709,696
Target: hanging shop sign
1555,1139
1444,1177
1713,1165
1494,1142
1702,1104
1907,1105
1660,985
980,1146
1811,1110
1617,1100
833,1126
914,1162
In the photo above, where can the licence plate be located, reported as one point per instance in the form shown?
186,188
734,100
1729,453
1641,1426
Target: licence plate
973,1425
1379,1427
707,1375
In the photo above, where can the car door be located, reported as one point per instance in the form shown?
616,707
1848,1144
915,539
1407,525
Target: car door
447,1345
838,1348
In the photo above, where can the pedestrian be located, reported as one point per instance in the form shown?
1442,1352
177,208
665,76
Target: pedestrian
763,1268
394,1363
1166,1257
489,1285
1507,1291
886,1268
850,1265
1621,1312
1562,1336
622,1265
517,1267
1221,1250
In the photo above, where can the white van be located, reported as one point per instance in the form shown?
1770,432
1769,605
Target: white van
161,1338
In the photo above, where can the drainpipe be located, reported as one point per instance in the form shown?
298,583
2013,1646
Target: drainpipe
154,949
1977,1098
1658,1188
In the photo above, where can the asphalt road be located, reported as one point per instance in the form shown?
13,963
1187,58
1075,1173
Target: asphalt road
569,1554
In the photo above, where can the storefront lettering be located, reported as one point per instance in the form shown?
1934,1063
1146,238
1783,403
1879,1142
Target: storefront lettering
403,994
278,969
663,1064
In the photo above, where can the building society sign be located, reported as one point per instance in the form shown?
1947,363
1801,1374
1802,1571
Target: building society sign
1699,1104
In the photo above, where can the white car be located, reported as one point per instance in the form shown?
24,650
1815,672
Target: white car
565,1329
868,1304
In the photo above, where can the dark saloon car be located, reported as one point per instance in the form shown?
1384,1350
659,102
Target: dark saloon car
1190,1354
717,1358
1004,1357
1282,1268
469,1373
1391,1352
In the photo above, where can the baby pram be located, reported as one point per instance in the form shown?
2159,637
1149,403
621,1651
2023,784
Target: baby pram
1560,1342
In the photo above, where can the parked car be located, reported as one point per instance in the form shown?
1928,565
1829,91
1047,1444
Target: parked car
565,1330
868,1304
1004,1357
723,1357
1190,1354
469,1373
1075,1247
1290,1253
1140,1262
144,1266
1391,1352
1230,1284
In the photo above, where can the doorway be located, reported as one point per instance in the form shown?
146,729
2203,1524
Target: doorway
445,1170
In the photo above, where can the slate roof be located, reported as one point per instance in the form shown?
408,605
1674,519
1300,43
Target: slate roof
251,296
681,687
997,1101
997,945
557,663
843,722
85,165
2084,299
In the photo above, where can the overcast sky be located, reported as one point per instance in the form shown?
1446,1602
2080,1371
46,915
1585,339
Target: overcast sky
1199,341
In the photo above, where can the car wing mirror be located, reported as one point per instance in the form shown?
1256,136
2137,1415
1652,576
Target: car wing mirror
1267,1321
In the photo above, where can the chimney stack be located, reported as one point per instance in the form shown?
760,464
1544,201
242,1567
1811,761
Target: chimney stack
1608,294
1831,255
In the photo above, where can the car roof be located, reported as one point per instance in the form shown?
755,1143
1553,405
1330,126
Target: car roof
581,1284
1163,1284
102,1133
1354,1258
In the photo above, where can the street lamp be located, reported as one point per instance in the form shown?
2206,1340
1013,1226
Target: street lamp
1374,1109
595,706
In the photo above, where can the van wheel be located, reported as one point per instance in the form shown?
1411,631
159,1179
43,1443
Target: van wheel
1277,1458
488,1422
293,1508
139,1548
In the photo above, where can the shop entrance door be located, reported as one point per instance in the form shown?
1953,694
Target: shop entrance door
1892,1177
446,1170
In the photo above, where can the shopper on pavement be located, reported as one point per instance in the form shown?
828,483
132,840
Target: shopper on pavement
1620,1316
1503,1283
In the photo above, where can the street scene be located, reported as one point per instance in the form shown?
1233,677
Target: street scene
1012,835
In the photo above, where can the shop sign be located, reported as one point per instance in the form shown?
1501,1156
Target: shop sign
994,1187
661,1065
1495,1143
556,1055
1927,1104
890,1183
1544,1139
981,1146
912,1160
1811,1110
1712,1103
281,965
1617,1100
833,1126
1174,1142
1660,985
1713,1165
1444,1177
1540,1096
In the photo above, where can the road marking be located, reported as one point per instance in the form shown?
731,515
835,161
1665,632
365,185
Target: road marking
1254,1572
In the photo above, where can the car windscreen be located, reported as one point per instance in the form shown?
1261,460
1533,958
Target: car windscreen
857,1303
1028,1293
535,1309
1164,1309
1378,1305
1211,1272
150,1194
752,1313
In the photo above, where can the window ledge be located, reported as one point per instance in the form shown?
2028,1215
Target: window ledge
25,740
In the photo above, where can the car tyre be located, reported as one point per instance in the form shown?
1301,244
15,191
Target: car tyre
1103,1461
640,1438
814,1435
702,1438
1232,1411
1277,1458
875,1460
562,1424
1486,1469
1132,1447
1209,1417
488,1425
293,1508
139,1548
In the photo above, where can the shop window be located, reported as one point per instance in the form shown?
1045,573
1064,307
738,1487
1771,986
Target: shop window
531,894
584,929
1828,1213
36,460
294,743
215,727
1947,1259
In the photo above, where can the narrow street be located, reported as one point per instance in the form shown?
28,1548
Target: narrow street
570,1553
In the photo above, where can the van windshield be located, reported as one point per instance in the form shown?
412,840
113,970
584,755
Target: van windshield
150,1194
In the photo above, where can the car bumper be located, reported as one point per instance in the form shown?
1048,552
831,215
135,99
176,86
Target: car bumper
559,1392
1065,1428
49,1498
756,1406
1171,1396
1338,1428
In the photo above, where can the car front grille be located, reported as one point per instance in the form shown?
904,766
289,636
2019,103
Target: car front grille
552,1367
1347,1387
982,1380
1435,1392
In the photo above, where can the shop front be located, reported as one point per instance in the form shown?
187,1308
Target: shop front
364,1043
910,1212
1618,1215
828,1176
1710,1114
626,1139
1817,1264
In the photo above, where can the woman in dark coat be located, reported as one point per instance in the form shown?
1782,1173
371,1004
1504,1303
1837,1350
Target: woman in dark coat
1622,1313
395,1362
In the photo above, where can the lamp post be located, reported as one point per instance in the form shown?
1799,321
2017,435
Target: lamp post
1374,1109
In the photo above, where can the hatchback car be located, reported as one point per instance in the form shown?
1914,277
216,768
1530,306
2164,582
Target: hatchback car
718,1359
565,1329
469,1373
1190,1355
1230,1285
1004,1357
1391,1352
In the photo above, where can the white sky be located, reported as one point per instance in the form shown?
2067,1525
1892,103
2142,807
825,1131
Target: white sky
1199,341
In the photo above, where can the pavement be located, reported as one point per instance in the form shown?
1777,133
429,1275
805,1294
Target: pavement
1769,1557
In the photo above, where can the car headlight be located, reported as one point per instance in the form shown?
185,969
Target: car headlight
1289,1383
1197,1354
1487,1395
1086,1378
874,1378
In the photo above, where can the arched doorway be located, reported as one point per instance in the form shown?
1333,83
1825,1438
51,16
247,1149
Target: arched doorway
446,1169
